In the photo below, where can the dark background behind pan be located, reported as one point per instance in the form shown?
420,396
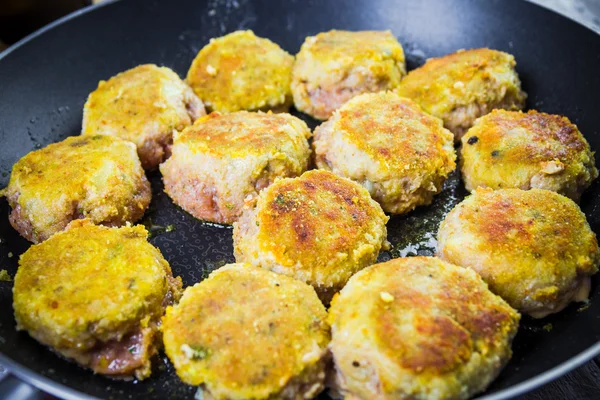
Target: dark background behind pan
45,81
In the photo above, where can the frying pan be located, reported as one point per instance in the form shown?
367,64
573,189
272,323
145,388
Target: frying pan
45,80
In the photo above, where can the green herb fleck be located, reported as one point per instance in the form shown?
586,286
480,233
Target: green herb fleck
132,349
584,307
547,327
195,352
170,228
280,200
229,206
4,276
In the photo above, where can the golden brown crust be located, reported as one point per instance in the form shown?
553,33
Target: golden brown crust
462,86
144,105
237,344
422,327
319,228
532,247
332,67
241,71
509,149
96,177
64,296
242,133
224,158
390,128
401,154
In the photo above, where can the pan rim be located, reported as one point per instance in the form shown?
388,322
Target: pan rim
20,43
63,391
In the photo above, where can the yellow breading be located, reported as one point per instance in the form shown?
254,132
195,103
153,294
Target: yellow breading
318,228
401,154
243,134
418,328
332,67
224,158
241,71
248,333
96,177
462,86
511,149
533,247
91,287
144,105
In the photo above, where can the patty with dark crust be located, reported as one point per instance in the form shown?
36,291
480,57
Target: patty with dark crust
318,228
418,328
534,247
399,153
511,149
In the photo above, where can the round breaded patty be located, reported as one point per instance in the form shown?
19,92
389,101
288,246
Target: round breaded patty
96,177
418,328
332,67
462,86
96,295
143,105
248,333
533,247
399,153
224,158
318,228
241,71
510,149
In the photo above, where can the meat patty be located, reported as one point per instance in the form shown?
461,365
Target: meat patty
248,333
241,71
96,177
144,105
533,247
332,67
225,158
418,328
96,295
462,86
511,149
318,228
399,153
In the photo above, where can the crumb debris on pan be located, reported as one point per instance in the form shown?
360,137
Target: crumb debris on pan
4,276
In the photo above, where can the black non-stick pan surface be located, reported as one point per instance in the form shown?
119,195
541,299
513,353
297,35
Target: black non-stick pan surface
45,80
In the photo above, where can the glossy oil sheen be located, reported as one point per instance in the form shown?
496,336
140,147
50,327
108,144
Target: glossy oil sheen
45,81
